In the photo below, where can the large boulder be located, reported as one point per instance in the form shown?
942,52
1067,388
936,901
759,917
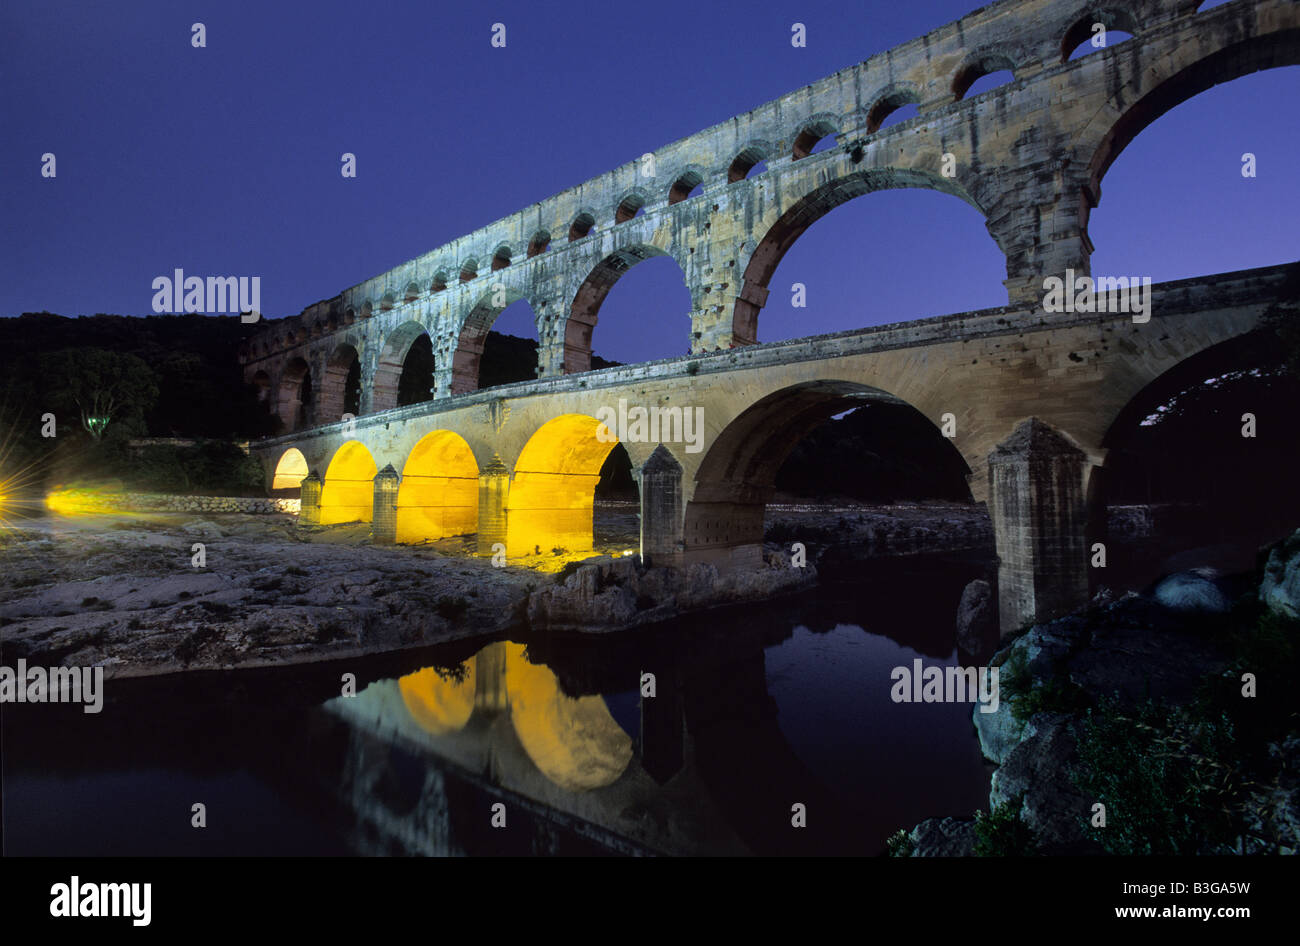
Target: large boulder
1280,589
1039,769
943,837
1195,590
977,616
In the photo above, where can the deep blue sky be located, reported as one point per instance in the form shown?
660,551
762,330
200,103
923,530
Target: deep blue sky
226,159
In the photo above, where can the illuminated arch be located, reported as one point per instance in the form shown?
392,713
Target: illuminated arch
347,495
804,213
290,471
573,741
554,486
439,705
438,496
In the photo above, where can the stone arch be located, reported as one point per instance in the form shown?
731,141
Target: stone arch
467,359
469,269
582,224
724,517
439,281
747,159
589,296
629,205
813,131
889,100
691,177
392,359
979,64
1169,81
412,291
340,387
1111,16
801,215
540,242
501,257
261,383
289,470
554,485
438,495
295,400
347,492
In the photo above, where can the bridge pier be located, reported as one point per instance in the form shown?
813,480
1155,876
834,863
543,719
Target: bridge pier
384,517
493,494
1039,512
661,509
309,493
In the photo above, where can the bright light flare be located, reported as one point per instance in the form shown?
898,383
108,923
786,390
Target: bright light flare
83,501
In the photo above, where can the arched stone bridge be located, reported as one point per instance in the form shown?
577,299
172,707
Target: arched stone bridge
1031,394
1030,155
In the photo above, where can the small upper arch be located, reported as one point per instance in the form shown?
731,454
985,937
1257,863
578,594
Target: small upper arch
629,205
979,64
889,100
691,177
581,225
1112,17
501,257
812,132
750,157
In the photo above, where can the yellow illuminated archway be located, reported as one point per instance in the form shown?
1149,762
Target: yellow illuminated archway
348,493
439,705
439,492
290,471
554,486
574,742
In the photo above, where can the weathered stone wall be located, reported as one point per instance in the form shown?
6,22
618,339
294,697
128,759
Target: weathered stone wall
1029,155
164,502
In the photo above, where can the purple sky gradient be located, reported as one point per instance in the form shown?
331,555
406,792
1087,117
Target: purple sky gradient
225,160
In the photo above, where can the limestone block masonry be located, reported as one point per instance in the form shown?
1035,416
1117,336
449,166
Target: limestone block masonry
1029,155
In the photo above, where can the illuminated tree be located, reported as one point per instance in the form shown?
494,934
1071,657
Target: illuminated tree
101,386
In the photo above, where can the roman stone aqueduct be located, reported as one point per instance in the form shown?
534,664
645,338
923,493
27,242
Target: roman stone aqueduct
1033,393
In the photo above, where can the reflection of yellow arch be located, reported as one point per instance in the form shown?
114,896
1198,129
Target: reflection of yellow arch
439,492
290,470
348,493
573,742
438,706
551,496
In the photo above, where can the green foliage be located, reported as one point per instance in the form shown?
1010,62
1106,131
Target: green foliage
1003,833
899,844
99,387
1052,695
1164,775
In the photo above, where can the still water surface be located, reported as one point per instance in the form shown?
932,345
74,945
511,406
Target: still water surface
757,710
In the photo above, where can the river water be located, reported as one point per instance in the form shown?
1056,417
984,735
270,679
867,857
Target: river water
771,731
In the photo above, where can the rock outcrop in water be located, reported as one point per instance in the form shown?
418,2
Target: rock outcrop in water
1125,657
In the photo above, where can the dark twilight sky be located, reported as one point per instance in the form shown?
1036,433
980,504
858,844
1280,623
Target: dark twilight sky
225,160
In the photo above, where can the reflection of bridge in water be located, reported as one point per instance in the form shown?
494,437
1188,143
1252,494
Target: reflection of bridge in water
706,767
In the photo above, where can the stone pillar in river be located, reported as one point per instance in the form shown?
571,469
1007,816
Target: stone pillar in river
493,492
309,512
1039,511
384,522
661,509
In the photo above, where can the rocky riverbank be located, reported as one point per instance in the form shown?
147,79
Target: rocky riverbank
1174,710
161,593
